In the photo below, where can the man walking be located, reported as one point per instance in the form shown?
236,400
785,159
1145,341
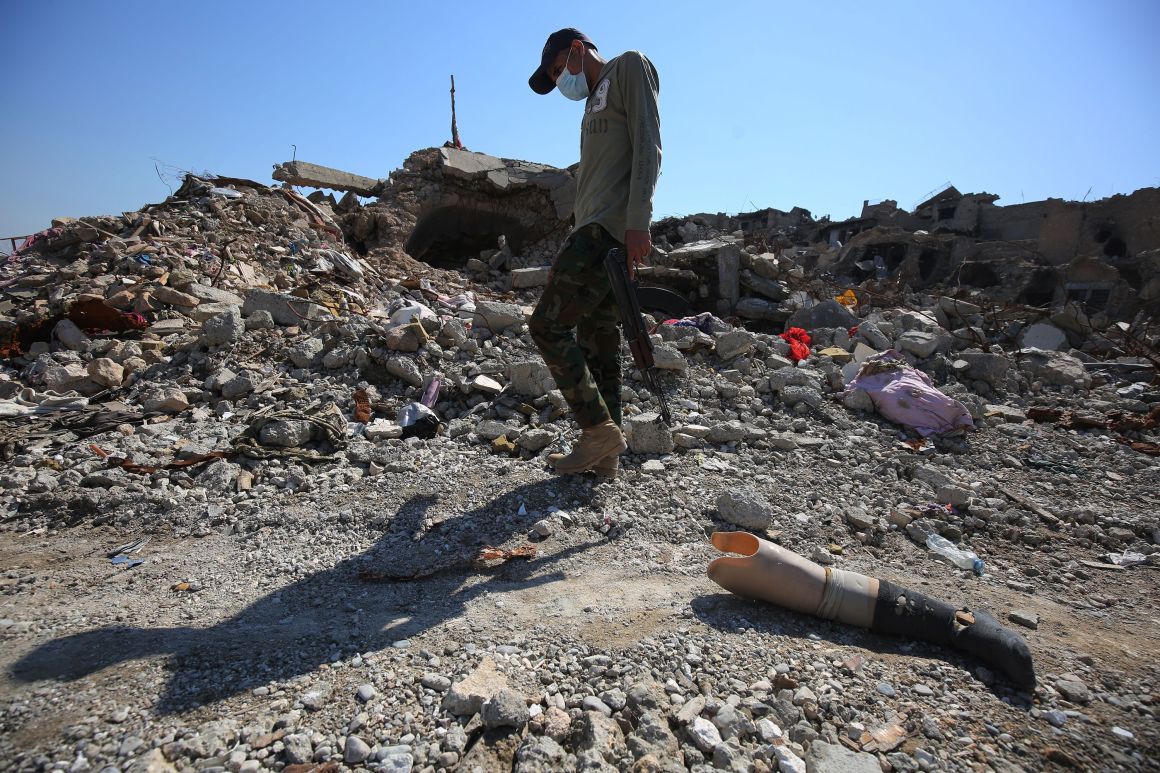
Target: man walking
575,322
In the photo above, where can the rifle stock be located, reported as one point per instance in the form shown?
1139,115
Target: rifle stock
639,343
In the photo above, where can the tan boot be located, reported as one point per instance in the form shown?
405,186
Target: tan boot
595,446
608,467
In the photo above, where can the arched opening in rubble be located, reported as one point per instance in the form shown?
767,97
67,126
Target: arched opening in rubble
978,275
1040,288
1115,248
1131,276
448,236
892,254
927,263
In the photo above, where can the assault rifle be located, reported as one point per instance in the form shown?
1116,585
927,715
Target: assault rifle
634,328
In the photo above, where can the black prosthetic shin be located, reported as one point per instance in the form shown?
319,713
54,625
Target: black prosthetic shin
901,612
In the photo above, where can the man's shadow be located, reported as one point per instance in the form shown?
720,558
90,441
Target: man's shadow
396,589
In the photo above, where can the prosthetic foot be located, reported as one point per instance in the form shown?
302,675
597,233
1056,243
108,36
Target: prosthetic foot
771,573
902,612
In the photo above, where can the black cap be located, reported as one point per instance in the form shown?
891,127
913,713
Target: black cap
557,42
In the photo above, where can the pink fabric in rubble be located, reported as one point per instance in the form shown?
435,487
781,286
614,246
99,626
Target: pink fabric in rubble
907,396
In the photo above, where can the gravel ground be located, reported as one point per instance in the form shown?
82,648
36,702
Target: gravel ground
290,635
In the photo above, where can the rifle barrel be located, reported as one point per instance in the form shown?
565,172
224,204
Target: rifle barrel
639,343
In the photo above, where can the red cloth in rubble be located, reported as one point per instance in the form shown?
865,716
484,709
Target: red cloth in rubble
799,343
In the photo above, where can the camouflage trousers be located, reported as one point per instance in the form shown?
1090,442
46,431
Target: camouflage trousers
576,326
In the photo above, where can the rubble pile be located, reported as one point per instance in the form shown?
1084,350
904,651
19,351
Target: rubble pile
1102,255
445,205
288,380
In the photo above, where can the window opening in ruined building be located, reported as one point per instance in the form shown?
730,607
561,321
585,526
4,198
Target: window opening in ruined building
1092,296
1040,289
449,236
946,213
1115,247
893,254
1131,277
978,275
927,262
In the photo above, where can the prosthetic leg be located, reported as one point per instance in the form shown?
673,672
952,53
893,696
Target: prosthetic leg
771,573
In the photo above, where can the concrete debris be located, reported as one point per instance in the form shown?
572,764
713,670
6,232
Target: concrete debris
325,390
505,709
315,176
647,434
523,278
745,507
498,317
468,696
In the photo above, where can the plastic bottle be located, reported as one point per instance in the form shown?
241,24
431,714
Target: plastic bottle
963,559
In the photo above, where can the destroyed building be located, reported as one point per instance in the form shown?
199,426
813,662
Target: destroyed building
1103,255
445,206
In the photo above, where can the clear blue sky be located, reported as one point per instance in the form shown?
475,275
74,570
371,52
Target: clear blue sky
762,103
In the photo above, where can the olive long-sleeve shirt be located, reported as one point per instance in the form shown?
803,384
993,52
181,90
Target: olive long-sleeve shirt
620,147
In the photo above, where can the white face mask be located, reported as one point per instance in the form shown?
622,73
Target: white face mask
574,87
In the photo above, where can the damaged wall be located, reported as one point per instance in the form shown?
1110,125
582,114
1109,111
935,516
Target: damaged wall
1116,227
916,258
1101,255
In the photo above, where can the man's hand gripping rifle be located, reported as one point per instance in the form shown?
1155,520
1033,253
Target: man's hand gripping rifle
634,328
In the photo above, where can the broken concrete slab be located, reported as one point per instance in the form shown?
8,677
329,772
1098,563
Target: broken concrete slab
467,696
284,308
506,174
1044,336
406,338
668,357
1054,368
465,163
61,378
486,384
862,351
523,278
530,378
834,758
728,275
759,308
919,343
697,250
734,344
1007,413
207,311
497,316
986,367
647,434
825,314
208,294
770,288
316,176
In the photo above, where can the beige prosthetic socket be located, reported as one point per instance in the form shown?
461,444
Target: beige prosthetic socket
771,573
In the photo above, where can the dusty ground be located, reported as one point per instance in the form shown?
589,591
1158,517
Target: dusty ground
107,663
